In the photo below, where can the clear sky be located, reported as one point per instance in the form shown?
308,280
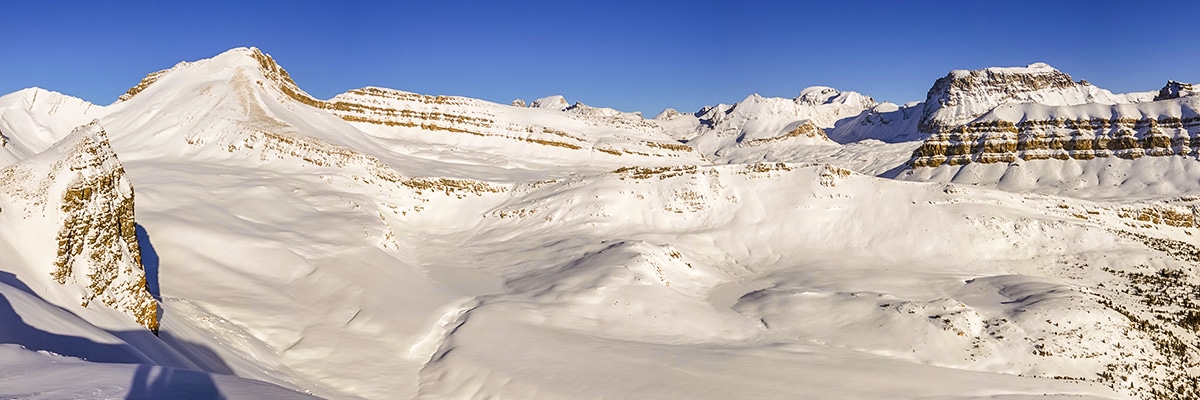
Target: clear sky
638,55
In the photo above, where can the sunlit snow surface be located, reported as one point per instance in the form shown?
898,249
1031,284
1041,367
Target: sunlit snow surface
294,253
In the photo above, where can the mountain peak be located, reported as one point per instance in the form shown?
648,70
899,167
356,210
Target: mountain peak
963,95
226,65
1174,90
555,102
818,95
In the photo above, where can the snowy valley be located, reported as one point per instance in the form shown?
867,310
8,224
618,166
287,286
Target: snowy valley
217,231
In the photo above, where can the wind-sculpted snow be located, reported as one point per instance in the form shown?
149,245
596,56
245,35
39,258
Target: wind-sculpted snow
1023,290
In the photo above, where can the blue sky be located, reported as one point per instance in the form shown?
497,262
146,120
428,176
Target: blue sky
627,55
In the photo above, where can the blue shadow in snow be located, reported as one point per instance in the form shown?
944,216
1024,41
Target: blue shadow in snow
149,381
150,261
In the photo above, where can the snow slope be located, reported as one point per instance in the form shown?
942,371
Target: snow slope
385,244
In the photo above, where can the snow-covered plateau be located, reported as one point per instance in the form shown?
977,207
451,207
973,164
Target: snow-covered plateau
217,232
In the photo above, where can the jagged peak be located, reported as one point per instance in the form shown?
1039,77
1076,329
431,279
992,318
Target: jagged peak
1174,90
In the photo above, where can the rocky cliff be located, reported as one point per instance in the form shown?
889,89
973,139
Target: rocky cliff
1036,113
79,187
962,95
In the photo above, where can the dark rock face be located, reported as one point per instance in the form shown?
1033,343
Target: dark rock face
1174,90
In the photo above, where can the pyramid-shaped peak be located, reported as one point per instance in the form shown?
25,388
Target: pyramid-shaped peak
247,61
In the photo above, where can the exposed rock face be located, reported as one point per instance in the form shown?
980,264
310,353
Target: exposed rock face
145,83
98,245
1174,90
1060,138
961,96
1037,112
804,129
86,194
460,115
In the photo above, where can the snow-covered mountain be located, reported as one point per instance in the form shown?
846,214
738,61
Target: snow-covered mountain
387,244
762,128
1004,121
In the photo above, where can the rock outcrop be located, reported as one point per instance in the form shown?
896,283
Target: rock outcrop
1000,115
961,96
1083,138
1174,90
80,187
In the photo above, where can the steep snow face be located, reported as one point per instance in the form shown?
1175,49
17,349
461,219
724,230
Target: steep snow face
78,188
42,118
886,122
823,95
